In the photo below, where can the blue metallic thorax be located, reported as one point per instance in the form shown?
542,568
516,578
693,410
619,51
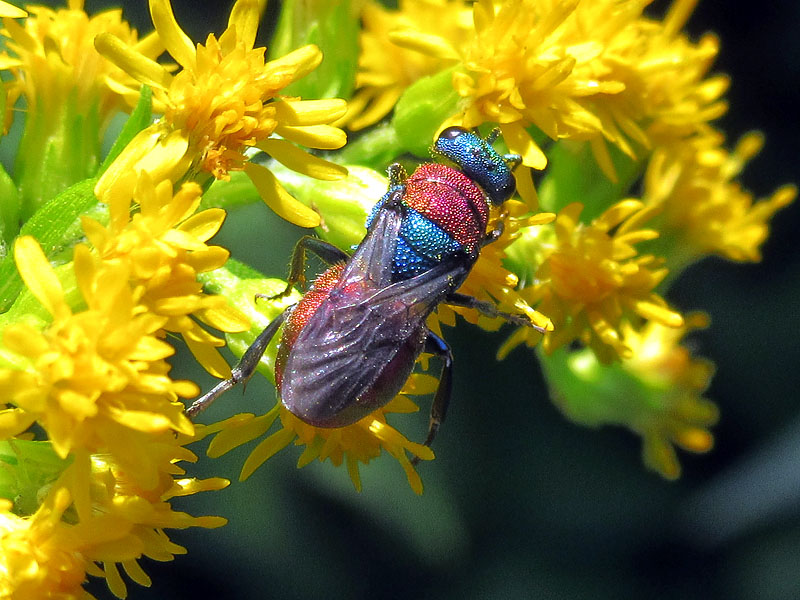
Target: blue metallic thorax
421,244
455,207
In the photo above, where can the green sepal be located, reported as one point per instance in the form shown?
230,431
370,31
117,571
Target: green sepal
9,212
421,110
57,228
240,284
29,468
343,204
59,148
591,393
526,253
332,26
375,148
140,118
418,115
573,175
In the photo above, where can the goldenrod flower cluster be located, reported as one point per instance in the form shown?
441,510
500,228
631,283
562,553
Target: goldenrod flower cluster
107,266
600,97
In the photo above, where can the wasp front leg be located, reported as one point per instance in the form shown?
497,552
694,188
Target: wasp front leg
328,253
441,399
244,370
494,234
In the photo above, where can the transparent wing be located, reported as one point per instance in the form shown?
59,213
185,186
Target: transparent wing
362,326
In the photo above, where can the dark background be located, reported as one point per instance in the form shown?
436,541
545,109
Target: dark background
520,502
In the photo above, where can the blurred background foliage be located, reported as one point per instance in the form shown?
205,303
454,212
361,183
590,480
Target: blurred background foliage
520,502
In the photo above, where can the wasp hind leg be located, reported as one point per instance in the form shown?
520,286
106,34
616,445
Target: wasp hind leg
244,370
441,399
328,253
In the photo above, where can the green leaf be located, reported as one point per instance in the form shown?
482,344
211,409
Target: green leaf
57,228
9,211
140,118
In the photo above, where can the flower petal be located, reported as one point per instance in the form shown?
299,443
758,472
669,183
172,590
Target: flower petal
301,161
278,199
38,275
11,11
178,44
245,16
323,137
135,64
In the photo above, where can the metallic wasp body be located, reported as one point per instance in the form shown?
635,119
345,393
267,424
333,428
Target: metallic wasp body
351,342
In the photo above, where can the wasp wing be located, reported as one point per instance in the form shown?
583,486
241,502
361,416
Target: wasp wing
372,260
359,347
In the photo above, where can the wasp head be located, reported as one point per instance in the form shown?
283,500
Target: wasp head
479,161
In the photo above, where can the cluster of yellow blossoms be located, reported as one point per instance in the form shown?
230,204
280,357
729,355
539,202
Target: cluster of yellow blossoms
85,343
105,260
626,97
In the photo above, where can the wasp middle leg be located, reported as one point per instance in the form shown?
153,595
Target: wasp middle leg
328,253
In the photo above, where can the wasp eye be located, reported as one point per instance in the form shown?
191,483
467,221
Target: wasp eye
452,133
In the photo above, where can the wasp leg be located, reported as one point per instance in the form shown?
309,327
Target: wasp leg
397,175
441,399
329,254
489,309
243,371
493,235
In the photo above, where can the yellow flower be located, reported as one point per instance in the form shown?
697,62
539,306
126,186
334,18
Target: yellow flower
385,69
38,554
164,248
95,518
54,62
677,414
692,185
590,71
224,100
591,278
134,516
96,378
357,443
67,102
